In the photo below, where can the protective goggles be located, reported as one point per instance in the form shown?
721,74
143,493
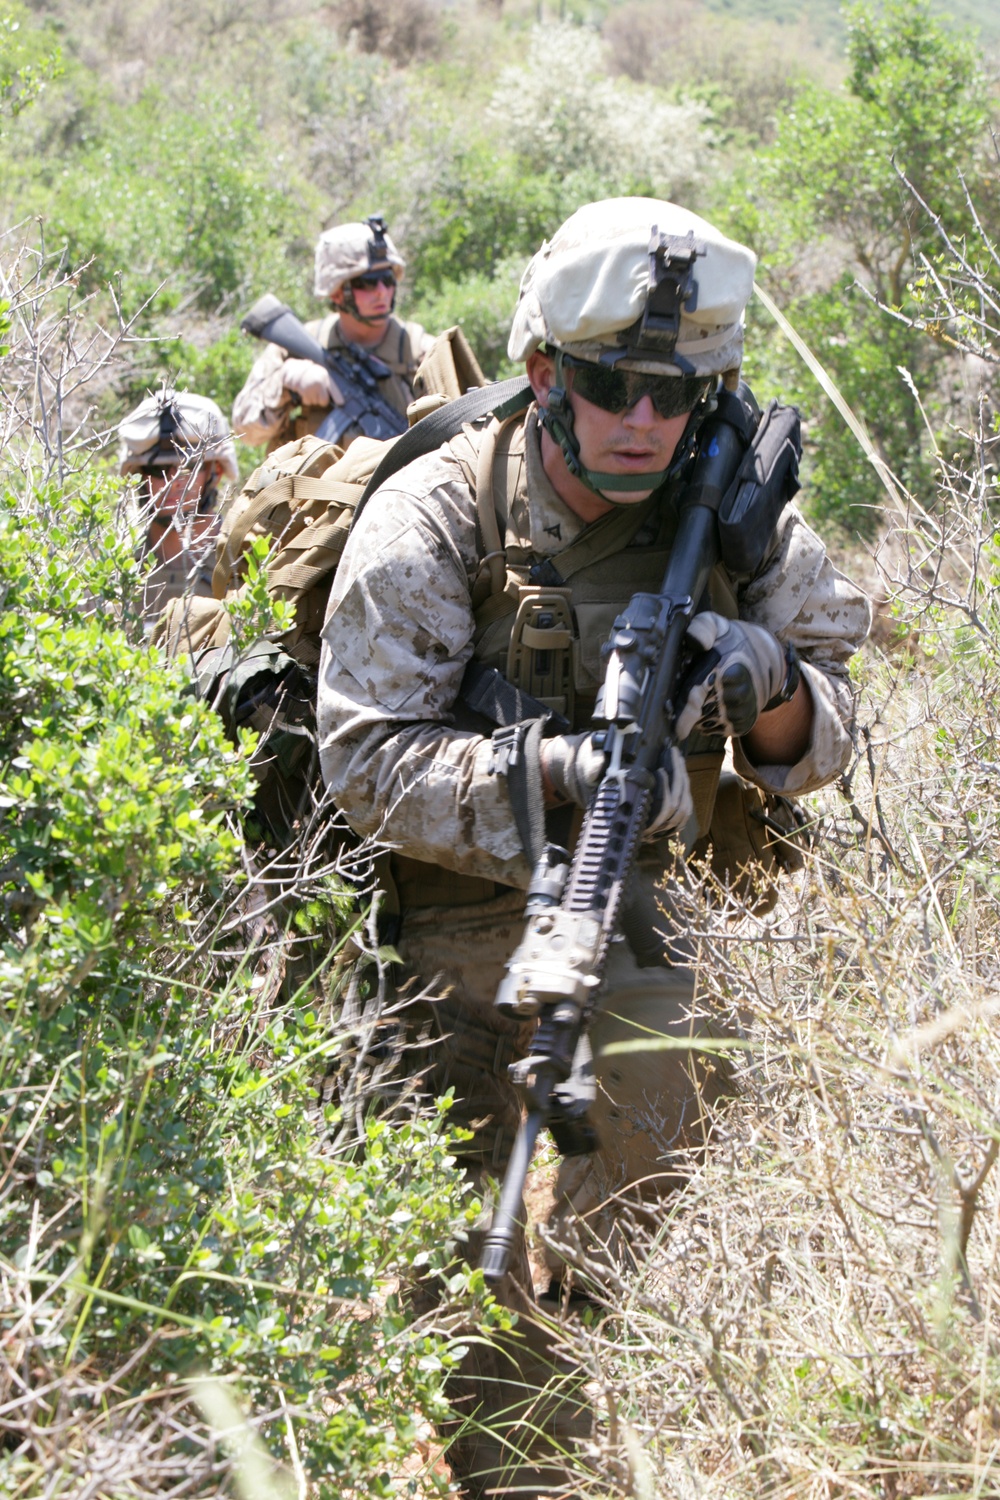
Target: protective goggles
618,390
372,279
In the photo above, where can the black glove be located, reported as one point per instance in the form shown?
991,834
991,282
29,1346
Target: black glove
744,671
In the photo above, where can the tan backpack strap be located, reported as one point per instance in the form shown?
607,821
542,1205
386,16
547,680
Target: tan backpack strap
324,532
325,330
494,457
233,543
307,488
494,555
299,577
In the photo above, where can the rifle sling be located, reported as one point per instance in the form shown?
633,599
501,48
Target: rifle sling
438,426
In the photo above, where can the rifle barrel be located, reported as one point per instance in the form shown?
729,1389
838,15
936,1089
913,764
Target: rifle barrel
509,1216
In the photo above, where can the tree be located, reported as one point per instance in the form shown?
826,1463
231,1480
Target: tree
829,191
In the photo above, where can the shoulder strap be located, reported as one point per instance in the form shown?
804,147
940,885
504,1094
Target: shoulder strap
494,555
503,400
324,330
601,539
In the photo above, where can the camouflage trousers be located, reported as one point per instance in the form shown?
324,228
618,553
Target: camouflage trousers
522,1400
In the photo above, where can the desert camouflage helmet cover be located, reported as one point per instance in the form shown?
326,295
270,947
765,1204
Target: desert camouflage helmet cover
175,427
351,250
641,276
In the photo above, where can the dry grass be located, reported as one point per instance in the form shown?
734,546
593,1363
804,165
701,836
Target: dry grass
818,1314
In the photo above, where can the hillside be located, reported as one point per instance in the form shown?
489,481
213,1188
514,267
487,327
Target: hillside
825,18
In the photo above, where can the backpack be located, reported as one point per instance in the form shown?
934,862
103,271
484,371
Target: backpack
304,497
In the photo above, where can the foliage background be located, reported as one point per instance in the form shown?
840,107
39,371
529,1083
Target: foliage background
189,155
174,1196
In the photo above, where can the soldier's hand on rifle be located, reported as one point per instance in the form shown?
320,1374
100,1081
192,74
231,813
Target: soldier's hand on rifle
743,671
572,766
672,807
313,384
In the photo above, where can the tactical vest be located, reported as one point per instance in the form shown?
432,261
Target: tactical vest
545,636
543,626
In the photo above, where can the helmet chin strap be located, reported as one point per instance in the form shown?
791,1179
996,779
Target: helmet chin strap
557,419
209,494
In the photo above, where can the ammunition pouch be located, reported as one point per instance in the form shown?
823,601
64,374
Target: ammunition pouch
541,654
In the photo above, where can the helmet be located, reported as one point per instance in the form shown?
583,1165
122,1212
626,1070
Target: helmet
351,250
642,285
173,428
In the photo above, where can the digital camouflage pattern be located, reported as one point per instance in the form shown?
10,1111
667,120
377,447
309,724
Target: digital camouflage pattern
404,618
401,626
200,434
350,250
587,285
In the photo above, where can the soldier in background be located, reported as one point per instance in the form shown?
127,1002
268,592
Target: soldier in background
182,447
358,269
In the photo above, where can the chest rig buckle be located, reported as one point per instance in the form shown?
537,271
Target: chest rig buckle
542,649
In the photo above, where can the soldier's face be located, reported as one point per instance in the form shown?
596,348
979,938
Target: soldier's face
173,489
636,440
374,298
373,294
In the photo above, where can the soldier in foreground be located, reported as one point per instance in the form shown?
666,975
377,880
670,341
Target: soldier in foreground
358,269
628,321
181,445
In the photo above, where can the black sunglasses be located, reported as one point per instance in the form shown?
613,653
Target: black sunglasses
618,390
373,279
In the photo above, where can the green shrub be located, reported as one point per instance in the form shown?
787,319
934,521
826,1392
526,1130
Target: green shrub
829,189
29,58
175,1198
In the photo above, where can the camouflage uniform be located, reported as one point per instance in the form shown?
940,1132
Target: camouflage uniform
263,410
402,756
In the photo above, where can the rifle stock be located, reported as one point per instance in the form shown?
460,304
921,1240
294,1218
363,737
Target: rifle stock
274,321
356,371
729,509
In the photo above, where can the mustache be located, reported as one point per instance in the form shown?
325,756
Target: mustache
625,444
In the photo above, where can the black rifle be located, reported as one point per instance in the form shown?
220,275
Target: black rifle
356,372
743,473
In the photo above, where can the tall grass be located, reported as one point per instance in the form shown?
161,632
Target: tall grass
818,1314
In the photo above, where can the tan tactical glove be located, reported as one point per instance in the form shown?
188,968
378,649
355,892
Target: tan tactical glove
744,671
672,807
574,766
314,385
